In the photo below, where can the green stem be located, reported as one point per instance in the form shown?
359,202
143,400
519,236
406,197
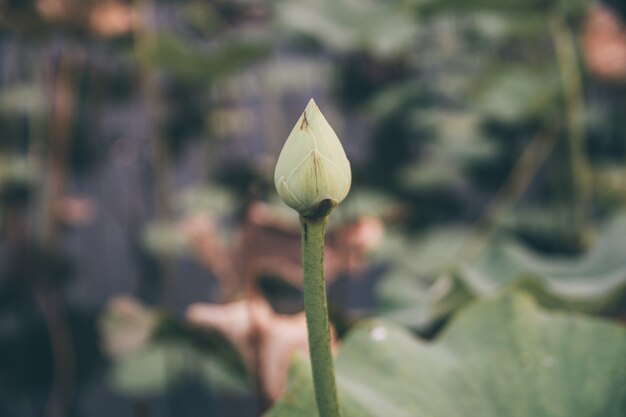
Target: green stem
317,316
573,89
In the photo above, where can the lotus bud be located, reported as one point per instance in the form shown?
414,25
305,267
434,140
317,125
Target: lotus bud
312,173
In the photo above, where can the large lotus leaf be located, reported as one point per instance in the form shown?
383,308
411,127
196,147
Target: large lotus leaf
595,282
424,289
500,357
421,303
419,289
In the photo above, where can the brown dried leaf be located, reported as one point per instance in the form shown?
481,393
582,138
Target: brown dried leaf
266,340
268,244
271,243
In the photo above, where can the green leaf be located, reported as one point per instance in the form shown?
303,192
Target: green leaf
431,253
194,64
420,290
428,282
516,95
165,238
152,352
24,98
17,170
381,28
162,364
421,303
594,282
206,198
366,202
501,357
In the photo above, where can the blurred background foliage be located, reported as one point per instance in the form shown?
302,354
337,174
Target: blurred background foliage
137,147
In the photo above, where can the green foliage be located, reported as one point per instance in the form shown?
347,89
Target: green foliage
380,28
429,282
499,357
23,98
160,366
199,66
169,237
517,95
153,352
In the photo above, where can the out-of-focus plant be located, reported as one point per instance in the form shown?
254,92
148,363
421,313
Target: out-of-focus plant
430,278
153,351
470,90
68,76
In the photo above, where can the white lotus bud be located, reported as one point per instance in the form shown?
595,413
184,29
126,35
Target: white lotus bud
312,173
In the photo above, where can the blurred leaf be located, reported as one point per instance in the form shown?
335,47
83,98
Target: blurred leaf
380,28
208,198
126,327
450,141
433,173
17,169
510,26
165,238
459,136
423,289
500,357
517,95
162,364
201,65
295,74
202,16
573,8
366,202
610,184
24,99
433,252
545,227
418,302
153,351
393,98
197,206
420,290
594,282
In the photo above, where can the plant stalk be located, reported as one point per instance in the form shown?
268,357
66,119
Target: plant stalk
317,316
573,90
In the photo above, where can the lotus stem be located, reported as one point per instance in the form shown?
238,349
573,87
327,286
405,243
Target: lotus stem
316,311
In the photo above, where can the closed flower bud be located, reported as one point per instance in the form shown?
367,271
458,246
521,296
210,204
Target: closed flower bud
312,173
